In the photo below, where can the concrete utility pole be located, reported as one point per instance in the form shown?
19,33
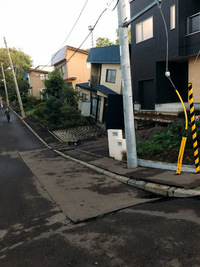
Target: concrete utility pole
127,88
15,80
5,86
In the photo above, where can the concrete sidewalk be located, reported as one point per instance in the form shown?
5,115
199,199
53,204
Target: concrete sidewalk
95,155
159,181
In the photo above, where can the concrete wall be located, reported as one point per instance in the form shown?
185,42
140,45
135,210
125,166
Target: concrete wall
64,70
36,84
84,106
194,77
116,144
78,67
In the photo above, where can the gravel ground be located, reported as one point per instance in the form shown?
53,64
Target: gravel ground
79,133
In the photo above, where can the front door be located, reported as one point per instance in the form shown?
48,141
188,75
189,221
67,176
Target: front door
147,99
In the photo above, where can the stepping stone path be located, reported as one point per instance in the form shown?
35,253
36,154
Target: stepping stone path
79,133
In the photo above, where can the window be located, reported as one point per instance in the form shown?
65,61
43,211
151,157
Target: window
110,76
144,30
41,91
95,105
62,70
42,76
193,24
172,17
85,97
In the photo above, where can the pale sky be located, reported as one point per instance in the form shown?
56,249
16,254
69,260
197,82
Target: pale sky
40,27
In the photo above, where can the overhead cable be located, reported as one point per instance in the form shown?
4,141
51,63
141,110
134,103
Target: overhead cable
68,34
88,34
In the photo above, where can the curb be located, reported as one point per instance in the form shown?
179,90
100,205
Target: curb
158,189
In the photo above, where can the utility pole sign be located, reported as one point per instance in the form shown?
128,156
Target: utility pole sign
127,87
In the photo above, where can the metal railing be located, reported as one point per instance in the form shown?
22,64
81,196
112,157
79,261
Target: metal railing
95,79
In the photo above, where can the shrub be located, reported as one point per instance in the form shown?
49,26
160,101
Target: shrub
52,111
29,102
38,110
71,115
163,142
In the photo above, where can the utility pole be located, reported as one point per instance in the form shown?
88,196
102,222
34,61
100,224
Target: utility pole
127,87
15,80
4,80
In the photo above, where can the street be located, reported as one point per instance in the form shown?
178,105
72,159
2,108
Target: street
56,212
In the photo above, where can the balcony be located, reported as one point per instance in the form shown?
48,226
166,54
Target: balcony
95,79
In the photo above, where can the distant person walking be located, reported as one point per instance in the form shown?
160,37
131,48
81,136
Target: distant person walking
1,103
7,113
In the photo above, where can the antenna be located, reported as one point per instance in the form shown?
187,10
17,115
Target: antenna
90,28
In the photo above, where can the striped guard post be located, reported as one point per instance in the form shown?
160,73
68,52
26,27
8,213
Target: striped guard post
193,126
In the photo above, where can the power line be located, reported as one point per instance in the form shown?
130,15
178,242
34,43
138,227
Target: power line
89,33
69,33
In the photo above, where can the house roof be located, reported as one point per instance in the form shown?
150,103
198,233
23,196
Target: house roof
97,87
60,54
105,90
106,54
37,70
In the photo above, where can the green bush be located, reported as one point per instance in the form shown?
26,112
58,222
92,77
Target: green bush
38,110
52,111
71,115
29,102
163,142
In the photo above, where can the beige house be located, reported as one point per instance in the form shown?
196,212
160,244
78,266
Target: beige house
36,79
102,95
72,64
194,68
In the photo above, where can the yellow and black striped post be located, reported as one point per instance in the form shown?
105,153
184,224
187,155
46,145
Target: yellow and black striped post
193,126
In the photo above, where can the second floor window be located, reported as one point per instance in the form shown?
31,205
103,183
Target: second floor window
144,30
172,17
193,24
42,76
111,76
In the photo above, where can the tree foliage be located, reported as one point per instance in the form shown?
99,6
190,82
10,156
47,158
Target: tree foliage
52,110
21,63
129,36
102,41
61,106
56,86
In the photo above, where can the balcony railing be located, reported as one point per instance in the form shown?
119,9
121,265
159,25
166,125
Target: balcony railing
193,24
95,79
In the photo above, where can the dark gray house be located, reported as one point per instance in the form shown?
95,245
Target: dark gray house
152,90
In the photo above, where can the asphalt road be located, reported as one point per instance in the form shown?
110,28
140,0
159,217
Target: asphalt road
36,231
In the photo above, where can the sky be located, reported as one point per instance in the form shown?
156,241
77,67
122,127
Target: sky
40,27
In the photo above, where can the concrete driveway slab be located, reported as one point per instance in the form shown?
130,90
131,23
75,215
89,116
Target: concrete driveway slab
80,192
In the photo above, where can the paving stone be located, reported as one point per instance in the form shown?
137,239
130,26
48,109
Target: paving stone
171,191
181,192
138,184
79,133
157,189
